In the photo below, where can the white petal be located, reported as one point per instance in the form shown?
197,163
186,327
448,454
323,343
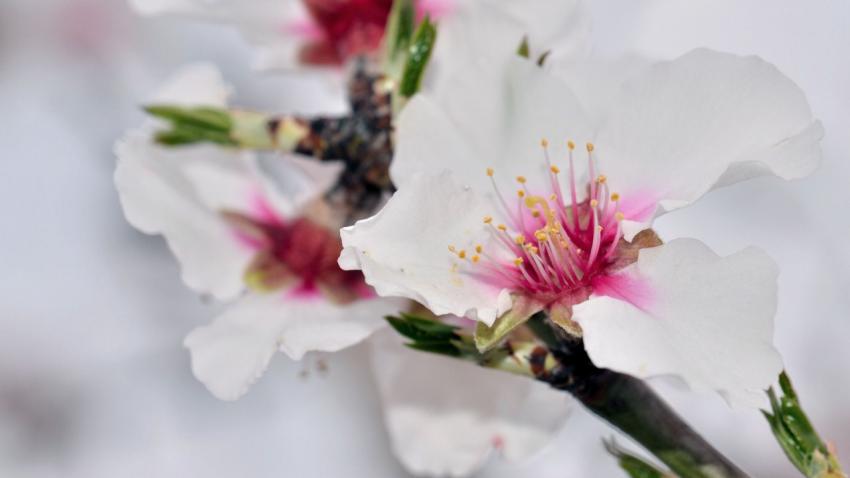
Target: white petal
446,417
234,351
703,120
197,84
708,320
402,250
157,198
596,83
475,29
275,27
494,115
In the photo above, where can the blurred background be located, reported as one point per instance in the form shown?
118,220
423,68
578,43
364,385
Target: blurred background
94,381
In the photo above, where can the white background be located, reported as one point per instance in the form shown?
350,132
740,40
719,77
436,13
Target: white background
93,379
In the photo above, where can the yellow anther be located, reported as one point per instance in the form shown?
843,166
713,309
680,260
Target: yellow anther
615,196
490,172
488,219
553,197
589,147
571,145
535,213
520,239
619,216
518,261
565,245
520,179
462,254
475,259
534,250
555,169
594,203
452,249
520,193
479,248
502,227
544,142
540,235
601,179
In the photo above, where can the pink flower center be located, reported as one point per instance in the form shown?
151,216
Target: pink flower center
559,246
298,252
348,27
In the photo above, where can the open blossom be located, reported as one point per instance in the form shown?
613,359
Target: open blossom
290,33
267,245
256,233
499,215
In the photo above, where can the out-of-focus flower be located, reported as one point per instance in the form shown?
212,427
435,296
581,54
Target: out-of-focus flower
289,33
487,225
258,232
269,245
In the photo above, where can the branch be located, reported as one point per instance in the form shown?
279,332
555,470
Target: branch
631,406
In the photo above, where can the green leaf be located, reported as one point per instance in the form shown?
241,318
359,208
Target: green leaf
524,50
419,329
399,29
193,125
522,309
633,465
437,348
204,117
797,436
419,53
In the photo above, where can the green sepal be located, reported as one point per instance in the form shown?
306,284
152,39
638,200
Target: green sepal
193,125
204,117
522,309
419,53
399,31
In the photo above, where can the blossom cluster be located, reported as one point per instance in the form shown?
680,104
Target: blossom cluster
525,178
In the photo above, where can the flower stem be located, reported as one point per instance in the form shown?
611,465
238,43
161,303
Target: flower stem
631,406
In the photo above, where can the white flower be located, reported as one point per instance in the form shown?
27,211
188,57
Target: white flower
291,33
229,226
239,236
552,229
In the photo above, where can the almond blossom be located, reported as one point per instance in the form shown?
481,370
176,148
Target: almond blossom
257,235
241,237
293,33
525,190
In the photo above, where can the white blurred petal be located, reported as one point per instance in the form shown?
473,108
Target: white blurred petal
709,321
196,84
231,353
446,417
157,198
273,26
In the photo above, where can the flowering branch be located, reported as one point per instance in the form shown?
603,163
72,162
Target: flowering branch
630,405
621,400
361,140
